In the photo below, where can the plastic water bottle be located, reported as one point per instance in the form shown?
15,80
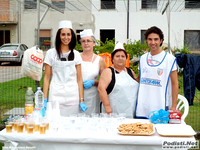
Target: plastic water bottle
29,103
39,99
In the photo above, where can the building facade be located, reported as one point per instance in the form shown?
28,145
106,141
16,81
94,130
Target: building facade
120,19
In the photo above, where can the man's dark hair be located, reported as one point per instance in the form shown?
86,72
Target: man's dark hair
155,30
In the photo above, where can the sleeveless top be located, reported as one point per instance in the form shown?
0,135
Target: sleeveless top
154,86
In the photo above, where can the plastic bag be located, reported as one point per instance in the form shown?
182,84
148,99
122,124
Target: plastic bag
32,63
159,117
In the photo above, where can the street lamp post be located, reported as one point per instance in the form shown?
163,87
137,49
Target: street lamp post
37,83
128,20
169,50
168,19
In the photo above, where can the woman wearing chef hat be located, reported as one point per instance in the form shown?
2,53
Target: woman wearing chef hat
63,64
91,66
118,86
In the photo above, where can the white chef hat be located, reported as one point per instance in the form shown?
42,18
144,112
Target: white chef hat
65,24
118,46
86,32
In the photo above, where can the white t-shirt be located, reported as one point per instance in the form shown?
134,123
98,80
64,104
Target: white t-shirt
52,56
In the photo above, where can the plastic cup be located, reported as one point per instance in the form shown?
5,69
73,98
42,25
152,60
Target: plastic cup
15,126
36,127
11,123
20,127
30,130
28,125
25,126
8,128
95,115
42,129
47,125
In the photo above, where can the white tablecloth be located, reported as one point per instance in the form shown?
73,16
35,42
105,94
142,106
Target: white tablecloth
75,140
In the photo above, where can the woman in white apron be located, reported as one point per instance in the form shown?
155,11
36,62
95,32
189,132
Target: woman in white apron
63,64
117,85
92,66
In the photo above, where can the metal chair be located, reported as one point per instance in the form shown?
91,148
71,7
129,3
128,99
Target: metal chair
183,103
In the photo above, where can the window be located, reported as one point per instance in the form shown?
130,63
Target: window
30,4
149,3
192,39
59,3
4,36
22,47
45,39
25,47
192,4
107,4
142,36
107,34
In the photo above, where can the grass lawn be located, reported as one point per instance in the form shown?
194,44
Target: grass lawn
13,93
193,117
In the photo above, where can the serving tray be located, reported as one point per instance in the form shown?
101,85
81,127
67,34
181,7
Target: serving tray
175,130
139,134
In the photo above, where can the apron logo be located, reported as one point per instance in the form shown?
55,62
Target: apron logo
152,82
160,72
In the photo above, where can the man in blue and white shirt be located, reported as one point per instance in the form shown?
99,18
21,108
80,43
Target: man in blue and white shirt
158,79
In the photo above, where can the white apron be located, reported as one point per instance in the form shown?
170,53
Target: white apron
90,71
124,94
64,87
154,85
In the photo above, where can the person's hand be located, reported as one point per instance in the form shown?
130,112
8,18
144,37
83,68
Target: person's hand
45,103
42,112
108,109
173,108
83,106
88,84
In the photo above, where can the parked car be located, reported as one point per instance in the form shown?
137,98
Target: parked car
12,53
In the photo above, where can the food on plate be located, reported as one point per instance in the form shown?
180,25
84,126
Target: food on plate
136,128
